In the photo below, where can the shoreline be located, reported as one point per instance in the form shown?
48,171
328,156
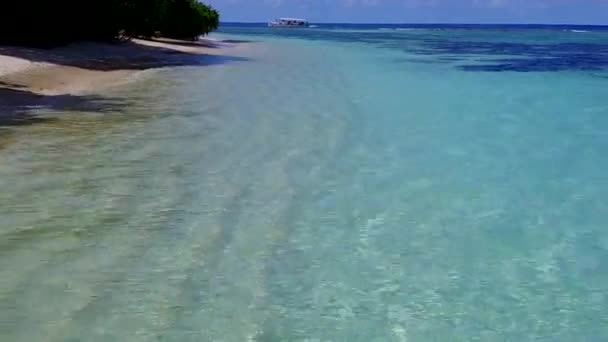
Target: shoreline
86,67
71,77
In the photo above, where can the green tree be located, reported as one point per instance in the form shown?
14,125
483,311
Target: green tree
54,22
187,19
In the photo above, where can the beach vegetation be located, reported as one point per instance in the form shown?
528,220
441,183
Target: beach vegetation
187,19
56,22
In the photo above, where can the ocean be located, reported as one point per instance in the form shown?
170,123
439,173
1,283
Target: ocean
336,183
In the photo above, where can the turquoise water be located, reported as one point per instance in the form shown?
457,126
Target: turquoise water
335,184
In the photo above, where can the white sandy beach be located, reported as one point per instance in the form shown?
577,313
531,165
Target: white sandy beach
85,67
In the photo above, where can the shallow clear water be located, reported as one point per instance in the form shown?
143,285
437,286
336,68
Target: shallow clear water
332,185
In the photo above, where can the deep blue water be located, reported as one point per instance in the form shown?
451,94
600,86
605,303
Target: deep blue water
521,48
370,26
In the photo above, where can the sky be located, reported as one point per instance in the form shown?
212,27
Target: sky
417,11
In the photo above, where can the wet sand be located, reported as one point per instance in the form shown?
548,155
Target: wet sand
71,76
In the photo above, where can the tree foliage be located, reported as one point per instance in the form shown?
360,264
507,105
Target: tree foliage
54,22
181,18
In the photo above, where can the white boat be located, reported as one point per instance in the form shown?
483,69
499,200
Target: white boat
288,22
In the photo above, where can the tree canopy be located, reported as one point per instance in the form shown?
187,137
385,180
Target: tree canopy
53,22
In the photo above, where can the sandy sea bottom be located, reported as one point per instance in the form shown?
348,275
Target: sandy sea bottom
314,191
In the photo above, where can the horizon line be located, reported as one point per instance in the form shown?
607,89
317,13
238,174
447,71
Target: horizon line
414,23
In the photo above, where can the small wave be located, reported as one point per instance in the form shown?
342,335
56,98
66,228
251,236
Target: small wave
393,29
579,31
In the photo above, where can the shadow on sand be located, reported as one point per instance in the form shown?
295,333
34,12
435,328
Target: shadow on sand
18,105
121,56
